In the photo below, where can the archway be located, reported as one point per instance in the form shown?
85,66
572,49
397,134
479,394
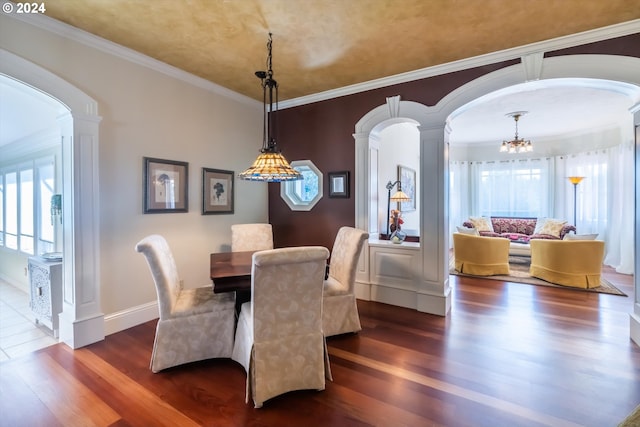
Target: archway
433,293
81,321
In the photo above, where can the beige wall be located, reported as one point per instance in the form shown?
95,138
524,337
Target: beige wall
149,113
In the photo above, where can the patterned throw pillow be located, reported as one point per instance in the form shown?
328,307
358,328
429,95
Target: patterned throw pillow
549,226
481,223
466,230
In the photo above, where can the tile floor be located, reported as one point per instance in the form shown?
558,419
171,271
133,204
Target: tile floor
19,333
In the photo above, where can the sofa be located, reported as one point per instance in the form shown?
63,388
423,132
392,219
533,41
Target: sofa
519,231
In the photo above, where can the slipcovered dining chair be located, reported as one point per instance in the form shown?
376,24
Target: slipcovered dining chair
195,324
480,255
340,311
279,339
251,237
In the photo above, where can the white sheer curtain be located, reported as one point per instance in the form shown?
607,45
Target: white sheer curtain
604,199
459,199
515,188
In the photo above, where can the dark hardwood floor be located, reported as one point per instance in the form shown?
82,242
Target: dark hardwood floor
507,355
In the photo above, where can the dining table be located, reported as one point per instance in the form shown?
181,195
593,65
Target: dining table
231,271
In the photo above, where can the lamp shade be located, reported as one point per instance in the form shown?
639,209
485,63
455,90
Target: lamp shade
575,180
270,167
400,196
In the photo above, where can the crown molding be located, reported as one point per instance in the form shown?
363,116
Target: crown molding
67,31
64,30
591,36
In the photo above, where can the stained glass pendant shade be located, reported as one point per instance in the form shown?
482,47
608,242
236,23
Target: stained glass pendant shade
271,165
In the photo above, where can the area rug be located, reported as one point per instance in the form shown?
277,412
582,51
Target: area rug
519,267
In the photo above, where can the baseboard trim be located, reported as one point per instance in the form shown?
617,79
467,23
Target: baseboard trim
634,328
125,319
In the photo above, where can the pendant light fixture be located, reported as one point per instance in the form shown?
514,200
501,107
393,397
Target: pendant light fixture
516,145
270,166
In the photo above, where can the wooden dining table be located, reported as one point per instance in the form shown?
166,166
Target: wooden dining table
231,271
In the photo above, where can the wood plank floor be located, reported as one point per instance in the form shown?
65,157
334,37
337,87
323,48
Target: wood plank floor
507,355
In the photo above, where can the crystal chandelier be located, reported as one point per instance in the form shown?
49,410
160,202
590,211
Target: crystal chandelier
270,166
516,145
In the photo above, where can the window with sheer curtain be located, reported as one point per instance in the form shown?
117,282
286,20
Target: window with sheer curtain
540,188
512,188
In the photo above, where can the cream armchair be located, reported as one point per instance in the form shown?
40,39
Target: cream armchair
251,237
576,263
194,324
279,339
340,311
481,256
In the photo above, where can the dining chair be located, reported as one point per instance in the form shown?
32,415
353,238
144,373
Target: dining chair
279,339
340,310
194,324
251,237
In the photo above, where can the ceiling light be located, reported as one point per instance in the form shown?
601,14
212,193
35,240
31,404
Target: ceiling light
516,145
270,166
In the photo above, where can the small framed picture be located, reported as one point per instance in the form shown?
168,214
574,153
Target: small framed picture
217,191
407,177
339,184
165,186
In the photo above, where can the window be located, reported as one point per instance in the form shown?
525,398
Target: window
302,195
26,221
11,211
26,211
513,188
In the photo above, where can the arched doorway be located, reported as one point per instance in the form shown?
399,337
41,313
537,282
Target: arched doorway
81,321
432,293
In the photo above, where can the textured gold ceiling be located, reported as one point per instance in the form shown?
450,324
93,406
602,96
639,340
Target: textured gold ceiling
320,45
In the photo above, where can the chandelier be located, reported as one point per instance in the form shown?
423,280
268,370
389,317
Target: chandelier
516,145
270,166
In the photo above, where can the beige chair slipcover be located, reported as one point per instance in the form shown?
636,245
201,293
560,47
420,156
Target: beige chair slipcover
576,263
194,324
340,311
279,339
251,237
481,256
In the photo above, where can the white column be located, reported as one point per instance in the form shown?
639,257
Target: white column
635,315
434,293
81,320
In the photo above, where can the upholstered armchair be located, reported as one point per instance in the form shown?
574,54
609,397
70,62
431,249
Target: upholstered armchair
194,324
251,237
576,263
340,310
481,256
279,339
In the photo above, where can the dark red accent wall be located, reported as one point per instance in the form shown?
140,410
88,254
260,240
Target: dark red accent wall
323,133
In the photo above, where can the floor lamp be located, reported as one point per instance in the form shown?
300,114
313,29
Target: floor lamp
399,196
575,180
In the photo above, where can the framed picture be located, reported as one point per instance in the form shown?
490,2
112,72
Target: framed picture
217,191
407,177
165,186
339,184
